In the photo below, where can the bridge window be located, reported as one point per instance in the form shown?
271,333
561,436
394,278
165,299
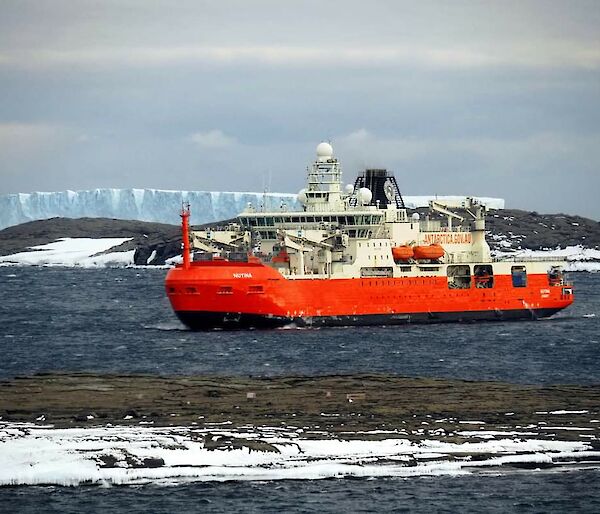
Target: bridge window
459,276
519,276
555,277
484,276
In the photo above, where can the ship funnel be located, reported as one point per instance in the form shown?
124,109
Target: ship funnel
383,185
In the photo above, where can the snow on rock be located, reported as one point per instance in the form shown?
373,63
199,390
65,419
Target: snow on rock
571,253
591,267
151,258
128,455
578,257
158,205
84,252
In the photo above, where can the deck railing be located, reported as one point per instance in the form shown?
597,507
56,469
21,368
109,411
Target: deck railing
530,258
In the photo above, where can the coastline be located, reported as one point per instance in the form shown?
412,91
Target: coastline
84,428
351,402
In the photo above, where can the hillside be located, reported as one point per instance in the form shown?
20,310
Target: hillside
538,231
154,243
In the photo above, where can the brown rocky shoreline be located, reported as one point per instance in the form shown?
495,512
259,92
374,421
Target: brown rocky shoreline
337,405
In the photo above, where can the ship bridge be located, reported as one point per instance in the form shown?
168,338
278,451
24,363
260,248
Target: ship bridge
360,224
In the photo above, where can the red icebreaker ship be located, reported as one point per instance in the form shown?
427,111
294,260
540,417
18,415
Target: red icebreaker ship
354,256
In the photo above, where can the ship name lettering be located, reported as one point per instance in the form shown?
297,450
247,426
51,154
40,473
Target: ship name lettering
448,238
242,275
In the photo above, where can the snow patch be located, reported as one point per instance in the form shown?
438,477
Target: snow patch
578,257
130,455
151,258
83,252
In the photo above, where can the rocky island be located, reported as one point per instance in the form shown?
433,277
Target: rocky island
154,243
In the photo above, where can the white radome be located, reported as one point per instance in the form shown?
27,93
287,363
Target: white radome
324,151
365,196
302,196
349,189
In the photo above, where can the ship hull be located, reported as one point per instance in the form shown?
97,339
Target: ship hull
202,320
227,295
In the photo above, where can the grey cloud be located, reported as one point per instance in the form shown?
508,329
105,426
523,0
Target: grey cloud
493,98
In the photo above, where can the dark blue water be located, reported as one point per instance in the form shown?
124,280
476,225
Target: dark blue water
120,321
564,491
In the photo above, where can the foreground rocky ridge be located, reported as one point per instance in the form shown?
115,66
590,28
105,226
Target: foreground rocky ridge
74,429
155,243
339,404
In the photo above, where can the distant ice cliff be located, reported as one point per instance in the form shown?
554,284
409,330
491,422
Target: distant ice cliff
134,204
157,205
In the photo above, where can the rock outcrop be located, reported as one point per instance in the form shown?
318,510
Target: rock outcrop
155,243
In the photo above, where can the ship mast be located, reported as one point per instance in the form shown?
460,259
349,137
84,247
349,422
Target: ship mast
324,191
185,233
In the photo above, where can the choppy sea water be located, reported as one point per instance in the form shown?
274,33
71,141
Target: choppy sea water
518,492
119,320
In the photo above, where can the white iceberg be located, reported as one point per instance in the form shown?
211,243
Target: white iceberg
159,205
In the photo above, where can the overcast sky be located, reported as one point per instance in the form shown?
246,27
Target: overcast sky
456,97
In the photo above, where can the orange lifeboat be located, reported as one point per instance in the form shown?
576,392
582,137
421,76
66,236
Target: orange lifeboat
402,253
431,252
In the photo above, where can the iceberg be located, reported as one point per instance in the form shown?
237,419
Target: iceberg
154,205
157,205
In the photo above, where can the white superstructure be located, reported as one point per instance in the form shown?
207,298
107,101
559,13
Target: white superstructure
353,231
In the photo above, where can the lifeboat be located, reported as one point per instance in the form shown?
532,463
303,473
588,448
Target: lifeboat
431,252
402,253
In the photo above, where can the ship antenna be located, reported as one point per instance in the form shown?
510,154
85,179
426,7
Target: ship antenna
266,189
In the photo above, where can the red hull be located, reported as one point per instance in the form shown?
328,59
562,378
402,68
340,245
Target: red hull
237,295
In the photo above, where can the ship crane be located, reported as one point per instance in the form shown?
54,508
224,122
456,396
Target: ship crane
217,241
442,209
468,204
304,245
296,242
